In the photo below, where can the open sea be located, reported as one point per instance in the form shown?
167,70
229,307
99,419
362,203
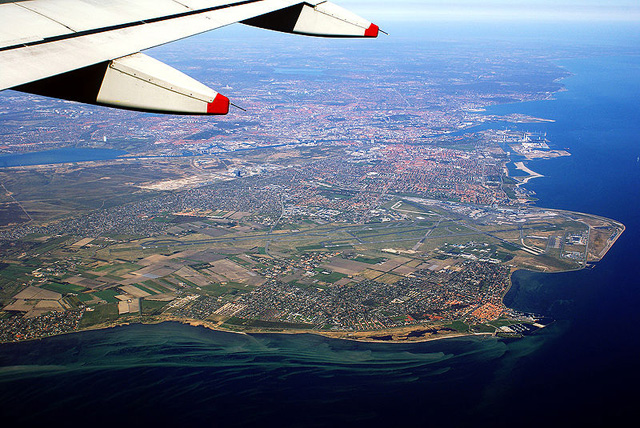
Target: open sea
581,371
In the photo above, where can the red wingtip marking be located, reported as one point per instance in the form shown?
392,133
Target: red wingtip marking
372,31
220,105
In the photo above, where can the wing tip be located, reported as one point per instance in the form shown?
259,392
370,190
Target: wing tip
372,31
220,105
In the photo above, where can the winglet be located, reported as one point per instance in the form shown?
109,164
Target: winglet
372,31
220,105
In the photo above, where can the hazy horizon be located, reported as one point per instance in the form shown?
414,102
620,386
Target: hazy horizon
497,10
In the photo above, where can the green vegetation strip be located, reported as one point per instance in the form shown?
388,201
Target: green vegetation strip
332,277
459,326
369,260
15,271
107,295
152,307
100,314
63,288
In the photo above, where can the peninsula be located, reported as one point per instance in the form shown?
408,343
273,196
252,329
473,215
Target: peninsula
385,209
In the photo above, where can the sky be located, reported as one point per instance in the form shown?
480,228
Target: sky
497,10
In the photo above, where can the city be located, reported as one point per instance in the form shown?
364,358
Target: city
385,211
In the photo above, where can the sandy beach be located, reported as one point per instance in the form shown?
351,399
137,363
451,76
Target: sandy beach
532,174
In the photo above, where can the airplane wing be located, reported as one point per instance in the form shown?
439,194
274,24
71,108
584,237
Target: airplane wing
90,50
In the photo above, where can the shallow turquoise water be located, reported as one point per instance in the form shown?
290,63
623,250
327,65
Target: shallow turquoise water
160,371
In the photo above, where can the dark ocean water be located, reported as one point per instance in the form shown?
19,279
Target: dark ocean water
582,370
591,372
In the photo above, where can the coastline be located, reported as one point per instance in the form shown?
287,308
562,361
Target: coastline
532,174
338,335
417,333
403,334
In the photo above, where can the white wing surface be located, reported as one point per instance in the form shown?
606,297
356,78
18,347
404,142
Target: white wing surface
89,50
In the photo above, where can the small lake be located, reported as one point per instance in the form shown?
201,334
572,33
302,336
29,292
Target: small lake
65,155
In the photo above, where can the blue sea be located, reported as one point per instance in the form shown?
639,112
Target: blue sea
581,371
